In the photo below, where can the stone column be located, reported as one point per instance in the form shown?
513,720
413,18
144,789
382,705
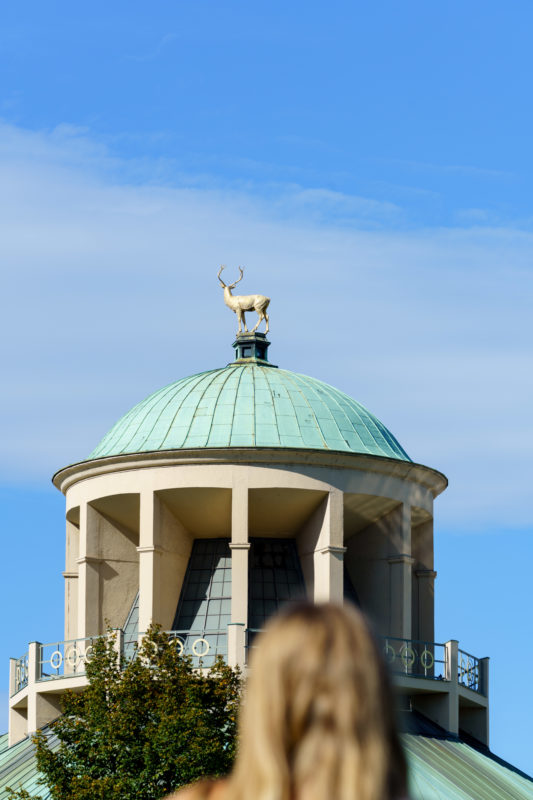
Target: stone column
401,589
400,596
451,723
329,556
484,679
34,673
484,675
71,580
240,547
150,557
321,549
426,594
89,600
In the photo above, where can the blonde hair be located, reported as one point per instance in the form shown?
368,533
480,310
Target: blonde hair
317,720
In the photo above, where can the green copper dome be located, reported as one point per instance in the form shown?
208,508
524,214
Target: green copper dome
249,405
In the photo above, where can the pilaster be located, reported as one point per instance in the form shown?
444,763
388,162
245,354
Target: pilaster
236,644
425,604
321,549
150,558
452,661
89,600
71,580
400,570
240,547
34,657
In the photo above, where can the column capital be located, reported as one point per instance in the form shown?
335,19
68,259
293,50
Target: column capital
401,558
239,545
90,560
425,573
70,574
333,548
150,548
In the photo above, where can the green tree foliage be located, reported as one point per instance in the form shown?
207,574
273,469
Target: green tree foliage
140,731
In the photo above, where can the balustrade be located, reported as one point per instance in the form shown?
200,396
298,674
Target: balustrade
202,646
468,671
417,658
65,659
403,656
21,673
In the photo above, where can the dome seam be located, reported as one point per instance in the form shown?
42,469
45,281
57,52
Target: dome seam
311,410
213,374
119,430
147,405
240,370
388,439
248,405
200,376
311,388
230,373
329,391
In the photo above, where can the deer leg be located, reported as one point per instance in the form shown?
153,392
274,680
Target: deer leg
239,317
244,320
259,315
265,315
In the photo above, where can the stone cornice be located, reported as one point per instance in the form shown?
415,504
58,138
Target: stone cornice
428,477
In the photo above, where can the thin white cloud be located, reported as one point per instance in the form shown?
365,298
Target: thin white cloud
460,169
110,291
156,51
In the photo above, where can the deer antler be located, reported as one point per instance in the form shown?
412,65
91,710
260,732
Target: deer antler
233,285
220,279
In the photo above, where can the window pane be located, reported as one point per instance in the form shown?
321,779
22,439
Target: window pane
200,602
274,577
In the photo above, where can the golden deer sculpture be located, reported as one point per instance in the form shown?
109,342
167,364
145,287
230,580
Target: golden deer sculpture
246,302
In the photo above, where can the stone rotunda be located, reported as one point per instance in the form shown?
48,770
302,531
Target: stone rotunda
220,497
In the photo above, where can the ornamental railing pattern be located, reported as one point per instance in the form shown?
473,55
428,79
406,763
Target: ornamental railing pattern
21,673
417,658
468,671
65,659
69,658
202,646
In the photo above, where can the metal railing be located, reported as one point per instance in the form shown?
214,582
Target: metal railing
21,673
468,671
64,659
68,659
203,646
417,658
405,656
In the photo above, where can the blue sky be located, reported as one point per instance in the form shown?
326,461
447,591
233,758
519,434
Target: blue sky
371,167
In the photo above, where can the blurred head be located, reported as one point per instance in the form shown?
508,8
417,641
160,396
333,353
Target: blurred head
317,721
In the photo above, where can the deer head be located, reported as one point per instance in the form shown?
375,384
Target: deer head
231,285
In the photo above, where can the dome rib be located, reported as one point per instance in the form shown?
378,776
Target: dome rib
217,404
249,405
309,406
208,378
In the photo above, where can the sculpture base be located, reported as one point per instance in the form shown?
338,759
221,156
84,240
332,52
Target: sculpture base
252,347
